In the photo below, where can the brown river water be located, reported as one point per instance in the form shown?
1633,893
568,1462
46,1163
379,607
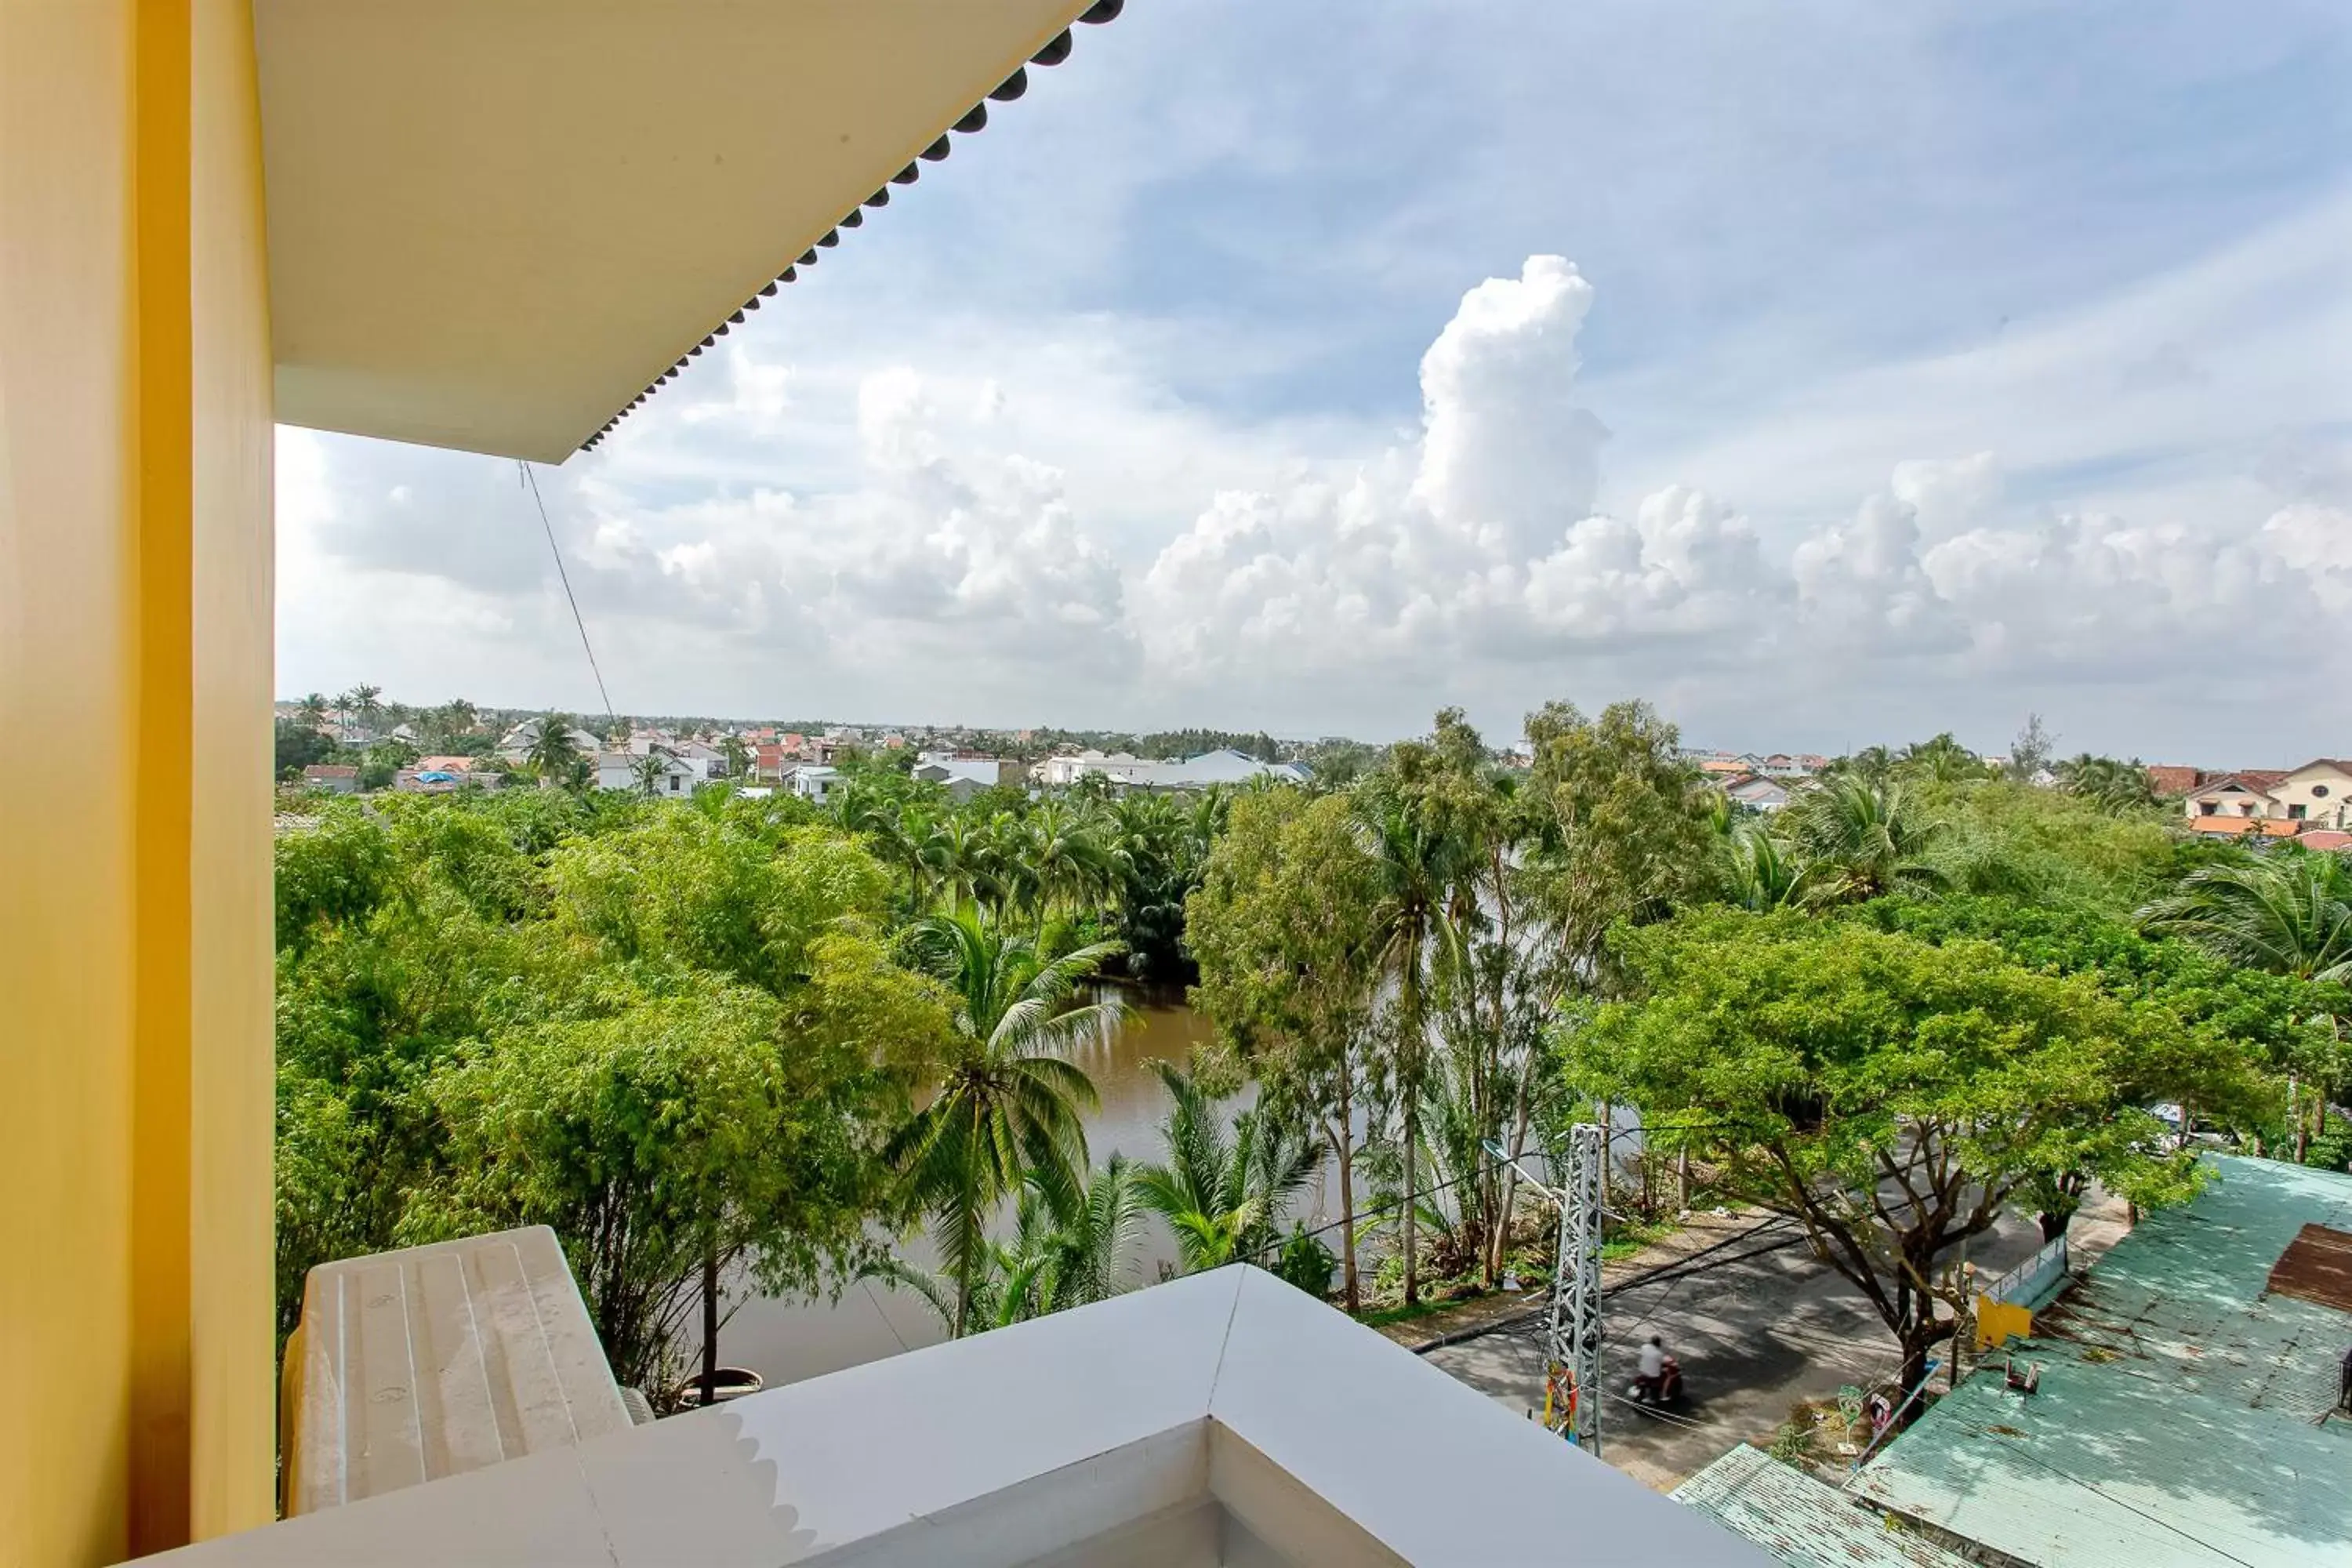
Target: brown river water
786,1341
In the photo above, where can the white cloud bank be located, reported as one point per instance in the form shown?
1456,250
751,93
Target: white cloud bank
947,573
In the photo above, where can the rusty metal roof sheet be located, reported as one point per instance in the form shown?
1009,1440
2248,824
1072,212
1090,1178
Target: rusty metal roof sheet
2316,1267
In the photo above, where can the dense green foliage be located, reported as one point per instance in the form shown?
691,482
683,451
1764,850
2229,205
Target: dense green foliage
667,1034
1893,1094
759,1039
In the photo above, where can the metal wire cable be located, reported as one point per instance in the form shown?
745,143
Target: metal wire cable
564,577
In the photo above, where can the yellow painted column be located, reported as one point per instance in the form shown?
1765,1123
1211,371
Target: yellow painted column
134,906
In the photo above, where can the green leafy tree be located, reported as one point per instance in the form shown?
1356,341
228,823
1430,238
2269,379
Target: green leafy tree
1283,927
2032,751
300,745
1891,1095
382,760
708,1125
1007,1107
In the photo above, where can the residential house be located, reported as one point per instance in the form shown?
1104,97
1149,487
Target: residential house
709,762
516,743
2170,781
965,774
2317,791
335,778
813,781
2238,795
618,770
1757,793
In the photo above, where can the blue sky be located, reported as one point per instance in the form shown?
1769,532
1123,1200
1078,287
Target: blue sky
1914,367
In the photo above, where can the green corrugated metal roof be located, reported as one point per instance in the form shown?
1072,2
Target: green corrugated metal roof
2181,1416
1801,1521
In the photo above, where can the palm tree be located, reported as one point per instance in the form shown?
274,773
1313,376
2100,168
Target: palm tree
650,770
1223,1197
1055,1257
2112,786
738,754
313,709
364,702
1066,860
1760,871
1414,942
552,751
1942,760
1860,839
2289,912
1008,1107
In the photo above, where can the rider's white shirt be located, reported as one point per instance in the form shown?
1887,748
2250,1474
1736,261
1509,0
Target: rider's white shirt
1653,1361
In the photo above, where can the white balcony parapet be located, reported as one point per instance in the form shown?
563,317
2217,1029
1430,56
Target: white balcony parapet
1221,1418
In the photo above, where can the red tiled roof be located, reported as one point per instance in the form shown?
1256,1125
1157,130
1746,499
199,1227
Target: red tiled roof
330,771
2167,779
2260,780
2324,838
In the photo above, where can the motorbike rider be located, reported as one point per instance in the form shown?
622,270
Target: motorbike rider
1652,1367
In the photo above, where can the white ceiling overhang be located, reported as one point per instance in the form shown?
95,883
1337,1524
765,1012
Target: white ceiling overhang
494,224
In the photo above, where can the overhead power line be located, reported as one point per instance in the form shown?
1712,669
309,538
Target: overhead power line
532,481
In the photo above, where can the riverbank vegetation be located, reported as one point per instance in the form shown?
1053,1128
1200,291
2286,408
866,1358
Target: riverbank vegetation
731,1045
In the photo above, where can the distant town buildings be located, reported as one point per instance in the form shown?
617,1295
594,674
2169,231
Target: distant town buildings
1126,772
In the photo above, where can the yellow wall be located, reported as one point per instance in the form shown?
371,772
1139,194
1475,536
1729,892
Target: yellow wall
134,628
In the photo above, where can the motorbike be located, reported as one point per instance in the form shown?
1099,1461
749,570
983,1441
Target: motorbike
1666,1388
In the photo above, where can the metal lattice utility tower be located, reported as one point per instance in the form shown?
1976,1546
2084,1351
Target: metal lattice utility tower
1574,1342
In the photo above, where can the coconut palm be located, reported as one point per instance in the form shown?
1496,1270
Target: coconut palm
1760,871
2112,786
1942,760
1860,839
553,752
2289,912
1007,1108
313,711
1055,1259
1065,859
1223,1195
650,770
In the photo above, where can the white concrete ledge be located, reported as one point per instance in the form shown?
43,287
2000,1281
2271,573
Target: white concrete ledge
1223,1418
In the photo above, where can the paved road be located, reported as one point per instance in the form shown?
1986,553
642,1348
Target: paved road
1753,1337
